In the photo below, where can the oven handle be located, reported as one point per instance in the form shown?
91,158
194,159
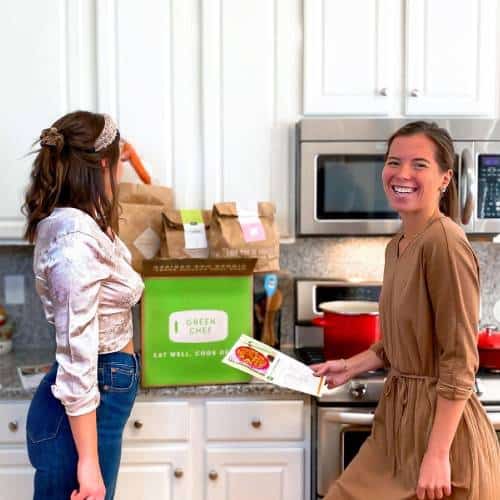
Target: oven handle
345,417
466,186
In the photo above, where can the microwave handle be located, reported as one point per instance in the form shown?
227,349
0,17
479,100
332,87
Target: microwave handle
344,417
466,186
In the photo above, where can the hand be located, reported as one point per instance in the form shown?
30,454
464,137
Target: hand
435,477
334,371
90,481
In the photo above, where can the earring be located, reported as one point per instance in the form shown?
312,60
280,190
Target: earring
443,189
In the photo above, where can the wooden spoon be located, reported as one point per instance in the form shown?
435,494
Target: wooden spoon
272,307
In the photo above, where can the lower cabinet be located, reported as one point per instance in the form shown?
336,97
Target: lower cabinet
16,474
192,449
160,472
250,473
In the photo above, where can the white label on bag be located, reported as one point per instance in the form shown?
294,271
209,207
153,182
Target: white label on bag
148,243
251,226
196,326
195,235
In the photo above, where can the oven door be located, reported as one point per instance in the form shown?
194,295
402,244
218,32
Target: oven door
341,191
341,432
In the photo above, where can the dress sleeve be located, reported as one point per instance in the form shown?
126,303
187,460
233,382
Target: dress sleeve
75,269
452,278
379,350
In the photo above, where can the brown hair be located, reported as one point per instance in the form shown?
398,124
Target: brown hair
67,172
444,156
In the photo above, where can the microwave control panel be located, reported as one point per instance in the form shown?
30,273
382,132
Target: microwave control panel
489,187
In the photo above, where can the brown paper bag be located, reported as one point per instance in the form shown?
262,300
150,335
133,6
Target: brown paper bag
227,239
140,224
174,245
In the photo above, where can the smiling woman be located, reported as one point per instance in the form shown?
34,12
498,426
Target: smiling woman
431,437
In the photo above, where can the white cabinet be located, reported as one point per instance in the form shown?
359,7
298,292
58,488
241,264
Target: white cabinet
400,57
16,473
264,473
450,59
161,472
350,56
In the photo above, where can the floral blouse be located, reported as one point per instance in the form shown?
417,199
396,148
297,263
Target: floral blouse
87,287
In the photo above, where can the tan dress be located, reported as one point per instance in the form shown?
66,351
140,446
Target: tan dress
429,313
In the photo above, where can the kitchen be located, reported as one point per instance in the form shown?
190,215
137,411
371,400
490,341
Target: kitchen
210,94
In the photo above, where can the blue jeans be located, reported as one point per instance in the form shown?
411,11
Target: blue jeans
51,447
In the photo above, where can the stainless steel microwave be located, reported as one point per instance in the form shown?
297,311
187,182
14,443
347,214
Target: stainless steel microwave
340,161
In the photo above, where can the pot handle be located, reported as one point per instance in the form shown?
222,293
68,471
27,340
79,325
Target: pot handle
320,321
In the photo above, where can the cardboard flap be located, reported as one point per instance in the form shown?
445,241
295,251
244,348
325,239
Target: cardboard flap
229,209
198,267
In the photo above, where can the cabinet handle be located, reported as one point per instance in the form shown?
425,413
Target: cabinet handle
178,473
138,424
212,475
384,91
415,93
13,426
256,423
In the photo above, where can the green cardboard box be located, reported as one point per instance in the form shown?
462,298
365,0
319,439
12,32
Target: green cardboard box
193,311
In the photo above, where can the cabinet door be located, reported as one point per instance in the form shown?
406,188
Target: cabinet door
246,474
150,472
48,71
450,60
350,56
16,474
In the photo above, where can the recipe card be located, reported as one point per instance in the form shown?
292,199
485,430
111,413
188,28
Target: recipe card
268,364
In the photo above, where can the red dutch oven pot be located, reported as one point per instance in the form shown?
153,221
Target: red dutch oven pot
349,327
488,343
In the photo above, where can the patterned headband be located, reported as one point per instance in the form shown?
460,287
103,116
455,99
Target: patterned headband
107,135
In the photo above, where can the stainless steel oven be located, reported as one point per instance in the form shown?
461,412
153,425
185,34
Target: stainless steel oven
340,162
341,431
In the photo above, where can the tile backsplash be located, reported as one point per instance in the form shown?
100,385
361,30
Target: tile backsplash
342,258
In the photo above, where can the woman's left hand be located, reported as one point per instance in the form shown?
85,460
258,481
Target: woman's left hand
435,477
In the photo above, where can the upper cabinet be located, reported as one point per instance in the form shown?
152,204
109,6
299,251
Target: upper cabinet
450,57
354,62
350,56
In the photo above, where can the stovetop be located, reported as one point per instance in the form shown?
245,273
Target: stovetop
366,388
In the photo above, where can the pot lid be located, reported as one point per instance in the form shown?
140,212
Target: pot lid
488,339
350,307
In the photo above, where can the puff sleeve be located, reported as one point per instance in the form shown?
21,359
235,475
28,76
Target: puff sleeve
452,278
76,267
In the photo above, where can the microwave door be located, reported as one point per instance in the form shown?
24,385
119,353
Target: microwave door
487,187
340,189
464,159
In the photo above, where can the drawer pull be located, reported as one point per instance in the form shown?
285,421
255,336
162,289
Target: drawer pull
256,423
213,476
138,424
178,473
14,426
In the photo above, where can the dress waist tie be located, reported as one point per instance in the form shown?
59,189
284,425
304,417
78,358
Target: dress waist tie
397,383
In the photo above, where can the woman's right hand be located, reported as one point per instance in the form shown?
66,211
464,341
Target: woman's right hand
336,372
90,481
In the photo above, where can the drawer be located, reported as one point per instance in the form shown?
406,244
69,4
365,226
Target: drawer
13,421
255,420
158,421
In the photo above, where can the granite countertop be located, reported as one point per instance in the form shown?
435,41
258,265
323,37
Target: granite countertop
11,387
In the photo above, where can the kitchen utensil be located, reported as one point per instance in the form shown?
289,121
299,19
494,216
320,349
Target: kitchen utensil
273,304
349,327
488,343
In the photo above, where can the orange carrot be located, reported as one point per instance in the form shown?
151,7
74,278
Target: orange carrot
136,162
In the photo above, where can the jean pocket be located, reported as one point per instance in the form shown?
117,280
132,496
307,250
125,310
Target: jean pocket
45,415
117,377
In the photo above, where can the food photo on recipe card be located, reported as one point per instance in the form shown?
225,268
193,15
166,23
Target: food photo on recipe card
268,364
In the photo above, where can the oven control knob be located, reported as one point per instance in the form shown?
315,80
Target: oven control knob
357,390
